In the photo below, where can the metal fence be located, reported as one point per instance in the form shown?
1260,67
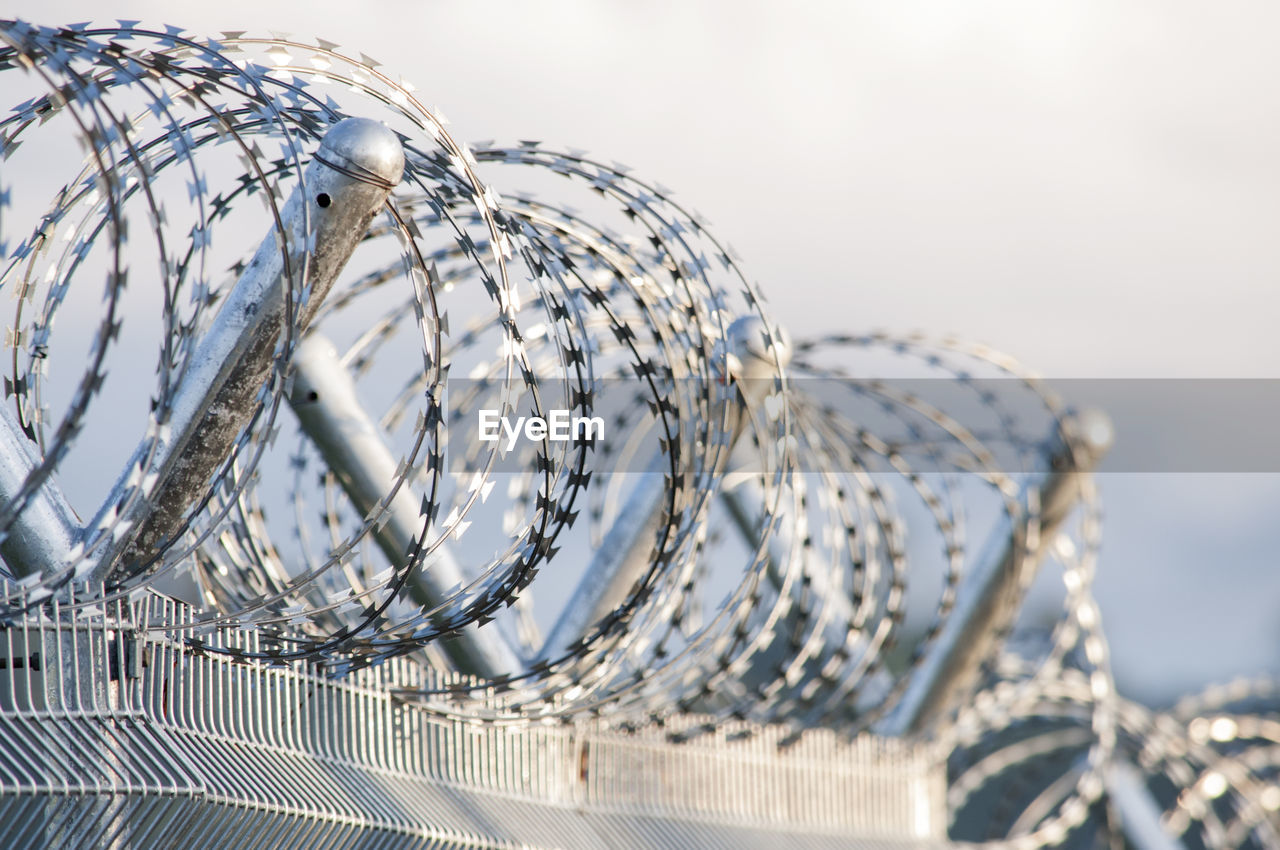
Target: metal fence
117,736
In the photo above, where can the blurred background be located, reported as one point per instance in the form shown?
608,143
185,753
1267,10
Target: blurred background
1090,186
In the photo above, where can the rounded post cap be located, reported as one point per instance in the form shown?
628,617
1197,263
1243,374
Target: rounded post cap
364,149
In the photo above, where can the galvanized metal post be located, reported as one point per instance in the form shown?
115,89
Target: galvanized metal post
350,177
1139,812
325,401
42,536
618,564
778,555
624,554
984,602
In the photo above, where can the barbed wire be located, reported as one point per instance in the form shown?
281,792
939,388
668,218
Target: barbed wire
813,524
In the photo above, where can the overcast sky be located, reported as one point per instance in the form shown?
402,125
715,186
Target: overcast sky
1093,187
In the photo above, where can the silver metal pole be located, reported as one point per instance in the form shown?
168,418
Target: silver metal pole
325,401
42,536
778,554
985,600
618,564
1139,812
357,165
624,553
737,502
